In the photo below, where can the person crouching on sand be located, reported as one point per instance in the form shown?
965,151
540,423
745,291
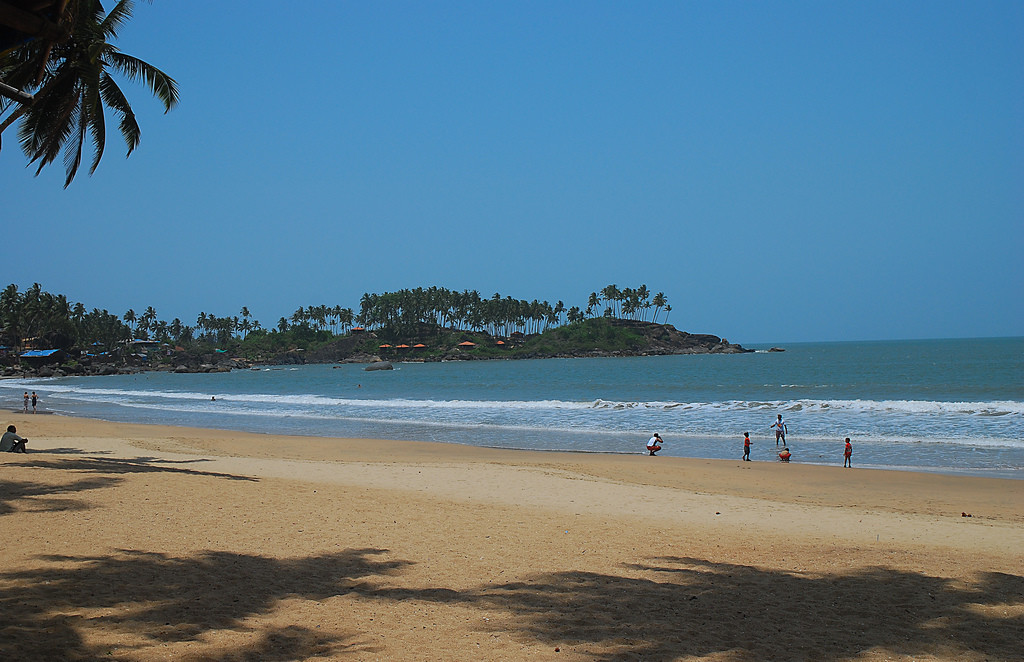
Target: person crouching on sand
12,442
784,455
654,444
848,455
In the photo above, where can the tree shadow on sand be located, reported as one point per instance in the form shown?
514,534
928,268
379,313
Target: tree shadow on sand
18,495
128,466
70,450
157,598
700,608
683,607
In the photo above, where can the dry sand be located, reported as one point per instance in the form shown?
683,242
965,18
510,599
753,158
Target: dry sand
132,542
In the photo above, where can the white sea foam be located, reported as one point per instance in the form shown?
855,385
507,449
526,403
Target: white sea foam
997,408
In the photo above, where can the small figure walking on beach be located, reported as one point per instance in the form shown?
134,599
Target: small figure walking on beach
654,444
35,399
746,446
780,430
848,455
26,402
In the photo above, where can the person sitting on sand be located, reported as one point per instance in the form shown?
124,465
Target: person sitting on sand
12,442
784,455
848,455
654,444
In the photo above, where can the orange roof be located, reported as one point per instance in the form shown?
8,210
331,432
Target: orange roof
402,346
385,346
419,344
466,343
500,342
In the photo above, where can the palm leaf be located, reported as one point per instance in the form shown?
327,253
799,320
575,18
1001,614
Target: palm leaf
163,86
115,99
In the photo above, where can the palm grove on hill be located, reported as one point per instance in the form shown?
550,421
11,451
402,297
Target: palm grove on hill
43,320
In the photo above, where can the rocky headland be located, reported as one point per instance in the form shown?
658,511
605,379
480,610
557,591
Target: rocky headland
598,338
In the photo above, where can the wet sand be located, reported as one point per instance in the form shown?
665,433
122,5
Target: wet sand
133,542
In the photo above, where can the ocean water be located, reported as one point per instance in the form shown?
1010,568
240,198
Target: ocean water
952,406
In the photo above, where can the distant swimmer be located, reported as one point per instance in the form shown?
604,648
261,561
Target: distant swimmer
654,444
848,455
780,430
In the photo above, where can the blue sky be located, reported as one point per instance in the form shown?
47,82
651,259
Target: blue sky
782,171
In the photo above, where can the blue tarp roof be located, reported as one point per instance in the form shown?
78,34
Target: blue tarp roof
38,352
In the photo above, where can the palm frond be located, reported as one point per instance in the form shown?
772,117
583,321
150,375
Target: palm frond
46,121
97,124
116,18
115,99
76,84
73,149
163,86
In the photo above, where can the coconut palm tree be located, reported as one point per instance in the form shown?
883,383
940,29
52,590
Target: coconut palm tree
130,319
75,86
612,295
593,303
659,302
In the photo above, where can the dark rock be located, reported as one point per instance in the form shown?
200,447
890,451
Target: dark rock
380,365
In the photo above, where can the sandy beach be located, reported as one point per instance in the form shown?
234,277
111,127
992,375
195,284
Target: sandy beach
134,542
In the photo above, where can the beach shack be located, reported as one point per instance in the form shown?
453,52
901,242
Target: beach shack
41,357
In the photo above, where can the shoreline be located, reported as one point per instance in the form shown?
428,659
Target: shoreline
134,542
1013,474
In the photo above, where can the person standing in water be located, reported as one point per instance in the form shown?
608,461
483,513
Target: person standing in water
848,455
746,446
780,430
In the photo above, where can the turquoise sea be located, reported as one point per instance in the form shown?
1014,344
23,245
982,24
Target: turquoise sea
953,406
